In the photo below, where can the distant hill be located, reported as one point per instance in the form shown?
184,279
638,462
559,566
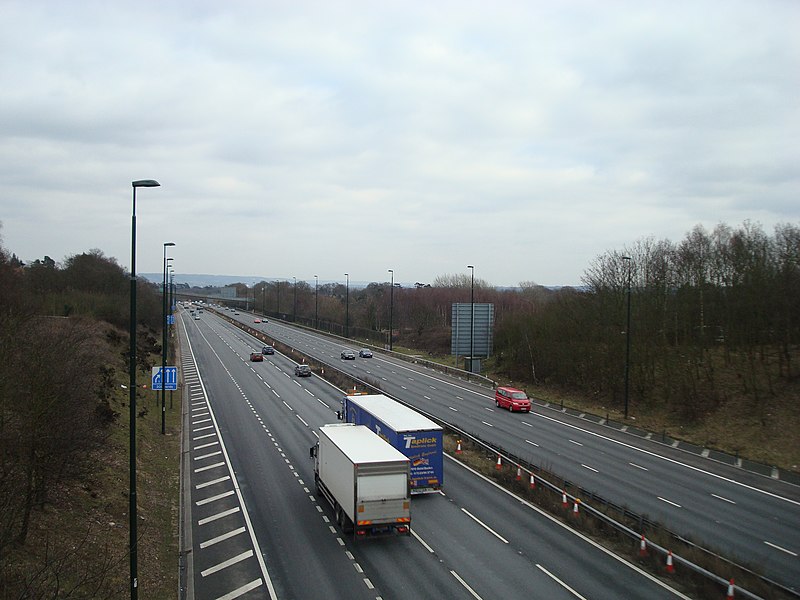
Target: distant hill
204,279
200,280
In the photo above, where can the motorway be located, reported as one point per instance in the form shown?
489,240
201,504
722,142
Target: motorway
748,517
254,527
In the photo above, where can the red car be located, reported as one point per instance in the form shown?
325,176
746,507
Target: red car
512,399
256,357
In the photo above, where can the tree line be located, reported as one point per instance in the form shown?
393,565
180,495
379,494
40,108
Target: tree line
61,339
713,315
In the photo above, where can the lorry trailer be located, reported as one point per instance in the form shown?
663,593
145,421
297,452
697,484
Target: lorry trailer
365,480
413,434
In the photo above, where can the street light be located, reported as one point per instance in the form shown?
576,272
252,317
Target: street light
294,308
164,327
391,309
472,319
628,336
278,287
347,308
316,302
134,583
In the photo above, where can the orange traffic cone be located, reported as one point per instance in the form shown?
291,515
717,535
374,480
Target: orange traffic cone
670,567
575,510
564,502
458,448
533,481
499,463
643,547
519,473
730,590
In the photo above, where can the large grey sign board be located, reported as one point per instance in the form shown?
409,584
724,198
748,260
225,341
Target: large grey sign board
462,329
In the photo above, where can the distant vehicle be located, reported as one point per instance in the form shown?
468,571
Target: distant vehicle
256,357
197,317
365,353
512,399
256,320
268,350
302,371
348,355
236,312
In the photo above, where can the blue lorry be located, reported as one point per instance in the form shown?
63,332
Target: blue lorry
413,434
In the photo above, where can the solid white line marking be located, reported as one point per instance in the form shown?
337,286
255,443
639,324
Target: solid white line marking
531,443
202,429
526,423
227,563
421,541
205,435
301,420
561,583
464,583
286,405
576,443
485,423
368,583
590,468
242,590
220,515
200,486
222,538
779,548
669,502
214,498
638,466
723,499
485,526
453,409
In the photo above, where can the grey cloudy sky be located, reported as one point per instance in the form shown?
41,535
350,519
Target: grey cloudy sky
301,138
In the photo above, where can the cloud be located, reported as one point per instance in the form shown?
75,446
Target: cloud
330,137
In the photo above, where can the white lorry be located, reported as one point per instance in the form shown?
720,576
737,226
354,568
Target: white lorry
364,478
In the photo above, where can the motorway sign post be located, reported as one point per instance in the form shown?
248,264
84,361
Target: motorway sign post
171,382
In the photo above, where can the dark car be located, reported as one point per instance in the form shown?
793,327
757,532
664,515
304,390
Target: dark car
302,371
256,357
268,350
348,355
365,353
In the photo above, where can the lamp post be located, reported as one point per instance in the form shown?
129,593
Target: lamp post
316,302
628,335
264,299
391,309
347,307
294,305
278,287
164,327
134,583
472,318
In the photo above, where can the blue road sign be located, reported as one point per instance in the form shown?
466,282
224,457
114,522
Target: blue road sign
170,319
172,379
